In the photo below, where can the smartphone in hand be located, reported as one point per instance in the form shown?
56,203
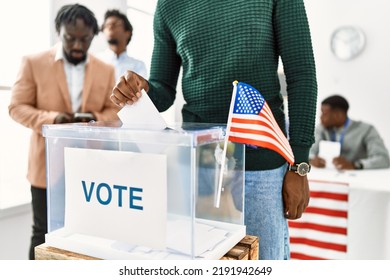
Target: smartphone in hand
84,117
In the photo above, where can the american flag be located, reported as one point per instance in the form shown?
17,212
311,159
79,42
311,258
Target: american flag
251,122
321,232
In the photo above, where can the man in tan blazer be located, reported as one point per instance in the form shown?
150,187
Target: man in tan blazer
54,85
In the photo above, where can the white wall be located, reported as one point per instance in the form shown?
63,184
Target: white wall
364,81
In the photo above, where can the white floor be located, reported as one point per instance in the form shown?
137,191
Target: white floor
15,232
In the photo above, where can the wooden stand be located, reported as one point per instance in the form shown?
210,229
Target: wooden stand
252,243
44,252
237,253
246,249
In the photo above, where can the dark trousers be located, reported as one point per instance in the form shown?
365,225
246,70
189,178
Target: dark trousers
39,229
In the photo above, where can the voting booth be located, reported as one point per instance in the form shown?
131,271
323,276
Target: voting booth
130,193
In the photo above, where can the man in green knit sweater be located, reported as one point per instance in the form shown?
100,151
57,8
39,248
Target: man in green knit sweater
217,42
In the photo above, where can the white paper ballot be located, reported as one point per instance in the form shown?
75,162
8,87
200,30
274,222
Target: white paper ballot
328,150
206,237
142,115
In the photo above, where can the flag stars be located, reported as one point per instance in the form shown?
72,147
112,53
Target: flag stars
249,102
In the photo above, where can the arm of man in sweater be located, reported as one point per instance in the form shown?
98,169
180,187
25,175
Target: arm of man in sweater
294,43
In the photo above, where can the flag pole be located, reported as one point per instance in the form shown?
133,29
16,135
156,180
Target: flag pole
217,195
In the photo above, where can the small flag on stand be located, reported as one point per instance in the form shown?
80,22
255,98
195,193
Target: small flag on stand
251,122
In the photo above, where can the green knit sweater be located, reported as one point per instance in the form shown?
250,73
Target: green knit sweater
219,41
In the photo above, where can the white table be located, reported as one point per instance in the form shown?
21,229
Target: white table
368,214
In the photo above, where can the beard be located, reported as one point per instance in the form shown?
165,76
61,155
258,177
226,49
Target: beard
75,60
113,41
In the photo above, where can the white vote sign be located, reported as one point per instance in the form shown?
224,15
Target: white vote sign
116,195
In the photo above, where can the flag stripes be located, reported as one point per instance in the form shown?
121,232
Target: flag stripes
321,233
337,205
334,196
319,244
338,238
259,125
315,253
317,227
325,220
304,257
329,212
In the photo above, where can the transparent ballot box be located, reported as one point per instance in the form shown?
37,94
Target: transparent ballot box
124,193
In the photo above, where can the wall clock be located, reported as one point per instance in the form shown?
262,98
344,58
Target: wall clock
347,42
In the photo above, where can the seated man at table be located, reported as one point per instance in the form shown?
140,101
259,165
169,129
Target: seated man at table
359,144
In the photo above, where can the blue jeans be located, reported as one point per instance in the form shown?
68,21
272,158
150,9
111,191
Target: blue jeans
264,212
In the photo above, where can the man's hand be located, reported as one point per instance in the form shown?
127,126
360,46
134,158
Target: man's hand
76,117
318,162
64,118
296,195
128,89
342,164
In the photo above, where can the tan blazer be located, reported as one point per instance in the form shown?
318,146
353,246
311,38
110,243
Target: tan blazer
41,92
